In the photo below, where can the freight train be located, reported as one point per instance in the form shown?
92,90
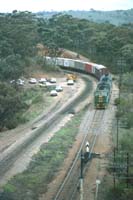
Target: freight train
103,90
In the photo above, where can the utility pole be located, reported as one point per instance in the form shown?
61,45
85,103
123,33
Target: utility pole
117,133
120,63
81,176
114,167
127,168
97,185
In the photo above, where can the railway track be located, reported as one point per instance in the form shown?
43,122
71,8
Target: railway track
90,128
96,126
11,154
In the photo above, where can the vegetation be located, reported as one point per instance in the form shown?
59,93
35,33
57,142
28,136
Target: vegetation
116,17
102,43
32,182
20,106
33,98
10,106
120,166
18,32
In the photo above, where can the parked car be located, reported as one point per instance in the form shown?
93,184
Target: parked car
53,93
48,84
53,80
42,80
70,82
12,81
20,82
32,81
17,82
42,84
59,88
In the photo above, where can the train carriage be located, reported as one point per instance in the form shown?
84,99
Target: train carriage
69,63
79,65
99,70
60,61
89,68
50,61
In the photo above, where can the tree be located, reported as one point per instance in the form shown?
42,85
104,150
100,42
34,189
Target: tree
10,106
11,67
18,32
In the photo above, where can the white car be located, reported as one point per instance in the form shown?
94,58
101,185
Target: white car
53,80
32,81
42,80
53,93
59,88
48,84
42,84
17,82
70,82
20,82
12,81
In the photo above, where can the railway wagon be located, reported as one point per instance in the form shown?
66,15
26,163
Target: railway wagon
69,63
50,61
99,70
89,68
60,61
79,65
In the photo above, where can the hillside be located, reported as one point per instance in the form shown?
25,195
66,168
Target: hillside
117,17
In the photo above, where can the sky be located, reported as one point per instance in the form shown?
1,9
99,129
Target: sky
60,5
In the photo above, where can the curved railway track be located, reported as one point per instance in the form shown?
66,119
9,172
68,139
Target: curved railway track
11,154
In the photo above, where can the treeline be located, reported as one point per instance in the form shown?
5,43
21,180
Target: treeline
116,17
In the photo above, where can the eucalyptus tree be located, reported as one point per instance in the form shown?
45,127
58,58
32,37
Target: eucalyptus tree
10,105
18,39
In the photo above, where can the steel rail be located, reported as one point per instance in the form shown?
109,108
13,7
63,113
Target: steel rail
60,190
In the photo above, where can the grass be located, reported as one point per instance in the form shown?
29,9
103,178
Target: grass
38,101
32,182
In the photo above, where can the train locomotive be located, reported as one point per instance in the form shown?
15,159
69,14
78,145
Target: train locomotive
103,90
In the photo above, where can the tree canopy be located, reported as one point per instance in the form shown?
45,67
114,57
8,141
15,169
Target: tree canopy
102,43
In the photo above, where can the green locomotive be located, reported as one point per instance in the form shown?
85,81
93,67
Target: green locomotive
103,92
